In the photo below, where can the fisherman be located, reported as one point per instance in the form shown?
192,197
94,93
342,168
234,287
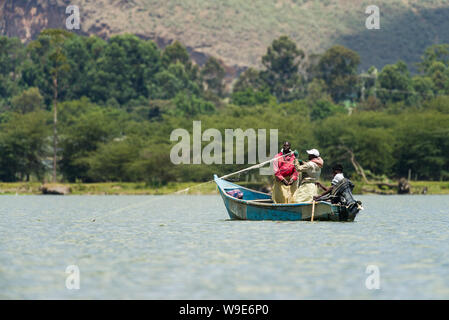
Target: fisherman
340,192
285,175
311,171
337,177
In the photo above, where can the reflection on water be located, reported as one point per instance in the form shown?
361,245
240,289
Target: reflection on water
183,247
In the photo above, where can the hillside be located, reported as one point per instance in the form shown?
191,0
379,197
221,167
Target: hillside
239,31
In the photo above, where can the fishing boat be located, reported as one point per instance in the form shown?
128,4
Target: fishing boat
255,205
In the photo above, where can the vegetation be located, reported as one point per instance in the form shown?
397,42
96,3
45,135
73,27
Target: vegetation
239,31
118,101
191,188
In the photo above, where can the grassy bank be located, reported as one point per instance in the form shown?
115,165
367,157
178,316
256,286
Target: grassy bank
132,188
110,188
416,187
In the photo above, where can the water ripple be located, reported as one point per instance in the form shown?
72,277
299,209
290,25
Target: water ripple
184,247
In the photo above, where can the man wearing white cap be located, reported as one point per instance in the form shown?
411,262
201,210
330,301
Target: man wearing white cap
311,171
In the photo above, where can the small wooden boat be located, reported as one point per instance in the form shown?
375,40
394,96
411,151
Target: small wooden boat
256,205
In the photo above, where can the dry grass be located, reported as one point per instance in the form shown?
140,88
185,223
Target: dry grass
240,31
183,188
111,188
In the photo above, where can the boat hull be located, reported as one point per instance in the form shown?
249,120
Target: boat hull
257,206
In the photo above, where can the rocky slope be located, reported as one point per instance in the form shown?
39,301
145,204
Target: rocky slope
239,31
25,19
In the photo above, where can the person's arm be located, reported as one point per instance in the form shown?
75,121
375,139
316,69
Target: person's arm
323,194
277,173
301,166
321,186
294,176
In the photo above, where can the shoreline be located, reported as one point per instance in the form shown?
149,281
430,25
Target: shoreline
140,188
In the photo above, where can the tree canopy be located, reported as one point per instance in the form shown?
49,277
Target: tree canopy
120,99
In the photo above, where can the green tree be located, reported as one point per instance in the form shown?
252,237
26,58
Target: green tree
23,146
169,82
439,74
368,135
48,52
85,128
81,65
424,87
190,105
154,165
251,97
174,53
423,146
324,108
28,101
432,54
213,75
338,68
435,65
395,84
12,55
126,69
112,161
317,90
249,79
438,104
282,62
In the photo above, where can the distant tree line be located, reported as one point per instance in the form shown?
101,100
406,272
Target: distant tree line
104,110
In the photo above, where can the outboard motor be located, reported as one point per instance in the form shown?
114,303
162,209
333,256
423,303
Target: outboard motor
342,194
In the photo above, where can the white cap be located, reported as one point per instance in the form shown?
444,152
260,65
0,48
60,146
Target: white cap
315,152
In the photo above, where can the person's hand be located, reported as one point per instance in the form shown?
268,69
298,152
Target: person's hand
316,198
291,181
285,182
296,153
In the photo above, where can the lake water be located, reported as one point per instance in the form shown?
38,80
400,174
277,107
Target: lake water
183,247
